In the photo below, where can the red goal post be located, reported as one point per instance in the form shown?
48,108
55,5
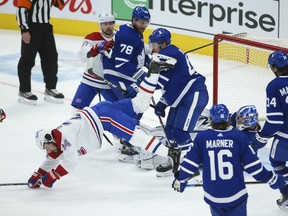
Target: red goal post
240,70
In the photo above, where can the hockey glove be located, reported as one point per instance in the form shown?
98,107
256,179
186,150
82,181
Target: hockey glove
160,108
258,141
276,181
50,178
35,179
101,47
131,91
2,115
157,67
178,185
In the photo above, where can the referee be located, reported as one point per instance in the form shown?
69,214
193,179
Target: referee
37,36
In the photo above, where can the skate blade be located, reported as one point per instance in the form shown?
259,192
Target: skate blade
284,206
26,101
126,158
51,99
164,174
146,166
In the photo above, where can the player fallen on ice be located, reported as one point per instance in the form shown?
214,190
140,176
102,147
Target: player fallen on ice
83,133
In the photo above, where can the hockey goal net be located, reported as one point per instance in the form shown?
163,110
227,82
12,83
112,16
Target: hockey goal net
240,70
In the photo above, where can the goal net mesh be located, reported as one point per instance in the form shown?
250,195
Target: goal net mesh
241,72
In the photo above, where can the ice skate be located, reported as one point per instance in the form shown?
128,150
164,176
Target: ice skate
283,202
128,153
52,95
27,98
165,169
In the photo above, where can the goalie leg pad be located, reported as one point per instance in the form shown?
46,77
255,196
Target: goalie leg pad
149,160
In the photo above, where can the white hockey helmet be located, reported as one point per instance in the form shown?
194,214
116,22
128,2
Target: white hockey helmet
42,137
106,17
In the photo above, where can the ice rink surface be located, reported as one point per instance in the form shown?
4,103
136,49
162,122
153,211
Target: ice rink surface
100,185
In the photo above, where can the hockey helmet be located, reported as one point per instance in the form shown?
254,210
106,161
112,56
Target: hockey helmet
219,113
42,137
141,12
247,115
160,35
106,17
278,59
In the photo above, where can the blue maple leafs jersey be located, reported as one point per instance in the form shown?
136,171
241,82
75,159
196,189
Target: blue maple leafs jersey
277,108
181,80
224,156
126,57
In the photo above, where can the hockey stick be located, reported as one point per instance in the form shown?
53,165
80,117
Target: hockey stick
212,43
161,122
91,72
247,183
12,184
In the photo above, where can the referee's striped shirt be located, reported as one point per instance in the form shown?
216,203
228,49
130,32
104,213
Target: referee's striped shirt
35,11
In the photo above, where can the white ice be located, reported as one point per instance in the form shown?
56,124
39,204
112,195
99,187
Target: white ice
100,185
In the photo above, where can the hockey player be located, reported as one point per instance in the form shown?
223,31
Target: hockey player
82,134
2,115
276,124
124,66
185,93
224,154
246,120
94,46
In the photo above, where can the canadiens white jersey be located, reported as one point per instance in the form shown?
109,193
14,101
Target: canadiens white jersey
89,41
78,136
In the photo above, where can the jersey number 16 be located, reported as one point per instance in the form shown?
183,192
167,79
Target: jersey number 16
225,169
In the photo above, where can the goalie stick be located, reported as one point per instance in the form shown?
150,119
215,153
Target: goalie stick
212,43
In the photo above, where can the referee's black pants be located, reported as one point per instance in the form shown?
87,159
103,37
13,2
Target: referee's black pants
43,42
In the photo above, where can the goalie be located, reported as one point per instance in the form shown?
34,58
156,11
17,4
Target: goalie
83,133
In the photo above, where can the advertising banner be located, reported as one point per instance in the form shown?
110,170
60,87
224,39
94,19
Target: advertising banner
208,17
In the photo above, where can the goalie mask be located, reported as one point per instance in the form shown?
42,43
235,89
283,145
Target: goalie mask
247,116
42,137
219,114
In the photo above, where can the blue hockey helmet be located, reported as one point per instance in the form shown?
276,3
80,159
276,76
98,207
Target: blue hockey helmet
141,12
278,59
219,113
247,116
159,35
